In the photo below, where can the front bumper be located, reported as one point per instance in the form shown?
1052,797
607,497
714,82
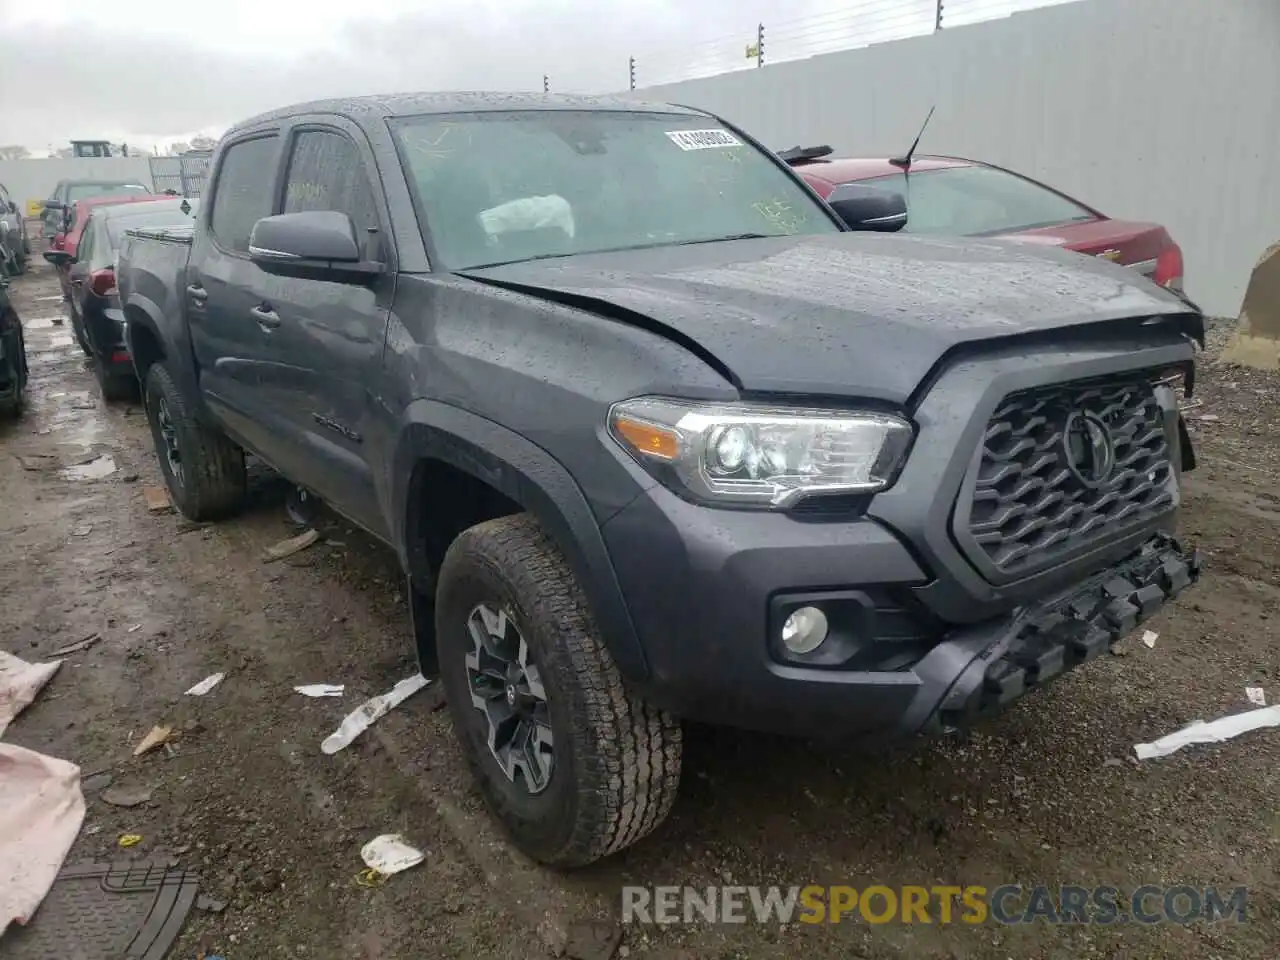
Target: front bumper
700,596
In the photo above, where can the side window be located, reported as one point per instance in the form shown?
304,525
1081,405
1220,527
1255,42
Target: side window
326,173
242,192
84,250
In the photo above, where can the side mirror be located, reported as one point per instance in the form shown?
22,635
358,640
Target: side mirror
13,207
315,245
59,258
864,207
54,205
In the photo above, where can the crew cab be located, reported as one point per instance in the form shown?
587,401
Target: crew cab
657,437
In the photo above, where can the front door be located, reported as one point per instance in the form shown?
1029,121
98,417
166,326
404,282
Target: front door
332,333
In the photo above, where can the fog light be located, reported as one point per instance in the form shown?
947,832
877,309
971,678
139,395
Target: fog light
804,631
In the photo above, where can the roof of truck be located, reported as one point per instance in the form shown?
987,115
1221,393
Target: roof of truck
381,106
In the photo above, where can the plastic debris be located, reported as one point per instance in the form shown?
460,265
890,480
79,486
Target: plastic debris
130,839
287,548
76,647
389,854
205,685
320,689
157,736
370,878
156,499
135,628
127,796
83,530
1215,731
1149,637
1257,696
369,712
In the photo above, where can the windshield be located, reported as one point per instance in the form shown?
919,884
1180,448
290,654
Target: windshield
170,216
502,187
79,191
969,201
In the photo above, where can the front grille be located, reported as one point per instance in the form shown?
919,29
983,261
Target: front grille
1035,501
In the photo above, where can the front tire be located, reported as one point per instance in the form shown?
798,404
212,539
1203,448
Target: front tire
506,591
203,470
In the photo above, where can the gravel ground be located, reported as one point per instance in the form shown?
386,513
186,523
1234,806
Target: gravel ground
1048,793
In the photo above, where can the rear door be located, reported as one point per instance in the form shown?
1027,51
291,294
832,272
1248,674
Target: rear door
234,349
330,334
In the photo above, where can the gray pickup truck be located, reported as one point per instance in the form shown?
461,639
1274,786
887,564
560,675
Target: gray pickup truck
659,435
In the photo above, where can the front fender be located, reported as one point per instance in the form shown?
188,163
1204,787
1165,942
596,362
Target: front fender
528,475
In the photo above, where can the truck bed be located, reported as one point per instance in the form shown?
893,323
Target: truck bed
151,272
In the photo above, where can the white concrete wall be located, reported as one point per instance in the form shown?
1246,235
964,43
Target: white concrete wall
1164,110
35,179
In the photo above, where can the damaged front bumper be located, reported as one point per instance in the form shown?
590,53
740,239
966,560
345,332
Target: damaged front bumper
980,670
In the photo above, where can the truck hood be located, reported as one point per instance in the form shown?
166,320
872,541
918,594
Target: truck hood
847,314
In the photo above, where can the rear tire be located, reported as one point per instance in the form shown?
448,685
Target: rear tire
203,470
81,337
615,760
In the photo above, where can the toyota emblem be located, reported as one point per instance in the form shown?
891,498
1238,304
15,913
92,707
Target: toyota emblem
1090,452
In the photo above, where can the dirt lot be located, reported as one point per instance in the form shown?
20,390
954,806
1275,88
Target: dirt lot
1046,794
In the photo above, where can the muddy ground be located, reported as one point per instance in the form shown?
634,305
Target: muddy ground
1048,793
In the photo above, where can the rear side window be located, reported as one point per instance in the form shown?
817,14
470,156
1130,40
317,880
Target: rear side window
242,193
326,173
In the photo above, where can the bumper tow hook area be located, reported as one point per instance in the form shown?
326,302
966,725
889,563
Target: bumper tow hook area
1044,643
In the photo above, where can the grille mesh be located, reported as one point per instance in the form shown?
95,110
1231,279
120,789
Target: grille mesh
1029,508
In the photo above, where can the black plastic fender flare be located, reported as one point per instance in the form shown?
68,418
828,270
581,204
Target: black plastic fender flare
531,477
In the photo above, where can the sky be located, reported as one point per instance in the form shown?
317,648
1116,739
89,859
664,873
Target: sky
151,72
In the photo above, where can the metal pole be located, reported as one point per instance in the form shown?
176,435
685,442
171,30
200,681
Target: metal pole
760,44
937,20
633,72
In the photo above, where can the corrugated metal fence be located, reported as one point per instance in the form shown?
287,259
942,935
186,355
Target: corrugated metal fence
186,174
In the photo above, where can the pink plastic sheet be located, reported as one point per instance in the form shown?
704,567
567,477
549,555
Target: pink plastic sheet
41,806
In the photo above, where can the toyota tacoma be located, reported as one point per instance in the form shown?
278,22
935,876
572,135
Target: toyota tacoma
659,435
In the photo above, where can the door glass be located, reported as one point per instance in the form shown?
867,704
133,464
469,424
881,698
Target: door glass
242,192
326,173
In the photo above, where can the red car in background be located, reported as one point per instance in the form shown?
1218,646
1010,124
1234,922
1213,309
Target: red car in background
67,240
952,196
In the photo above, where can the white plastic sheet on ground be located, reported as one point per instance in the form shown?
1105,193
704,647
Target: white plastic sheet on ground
41,806
389,854
320,689
368,713
205,685
1215,731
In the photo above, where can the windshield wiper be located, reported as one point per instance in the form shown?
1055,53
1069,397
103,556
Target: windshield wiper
735,236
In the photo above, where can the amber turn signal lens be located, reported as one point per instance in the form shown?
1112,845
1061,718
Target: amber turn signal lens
647,438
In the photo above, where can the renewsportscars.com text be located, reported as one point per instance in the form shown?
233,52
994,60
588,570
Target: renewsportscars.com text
877,904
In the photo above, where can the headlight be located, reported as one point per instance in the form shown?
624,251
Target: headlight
752,454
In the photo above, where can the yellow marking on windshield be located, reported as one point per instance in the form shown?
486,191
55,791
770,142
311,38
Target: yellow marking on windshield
781,214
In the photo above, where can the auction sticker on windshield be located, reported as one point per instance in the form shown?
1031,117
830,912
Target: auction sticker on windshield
703,139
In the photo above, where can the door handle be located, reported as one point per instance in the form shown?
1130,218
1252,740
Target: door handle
197,293
267,318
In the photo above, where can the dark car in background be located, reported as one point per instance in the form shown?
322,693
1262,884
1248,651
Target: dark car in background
96,314
953,196
15,246
67,192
